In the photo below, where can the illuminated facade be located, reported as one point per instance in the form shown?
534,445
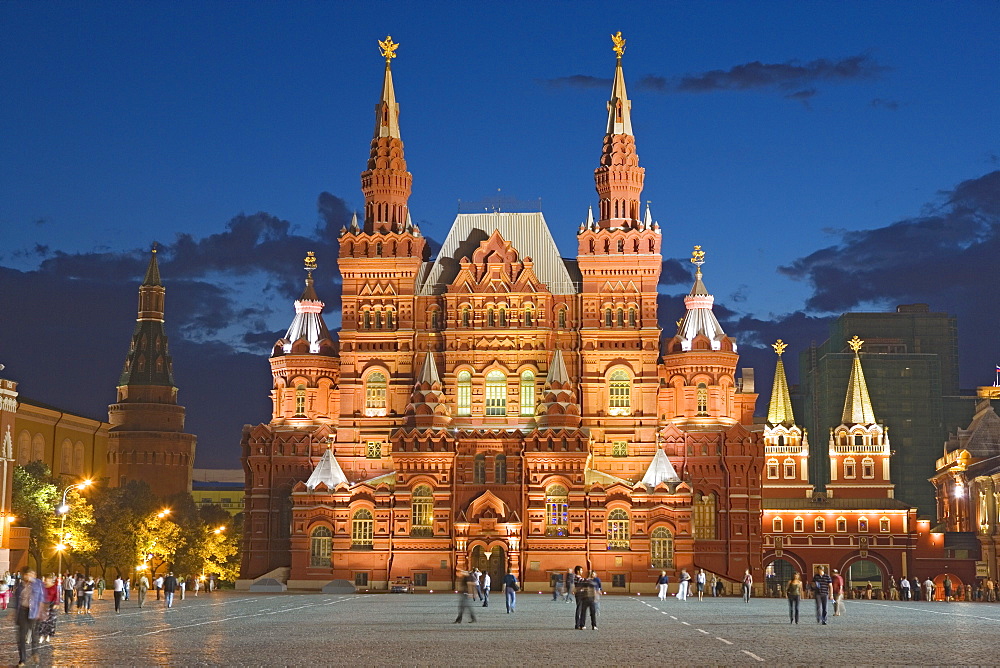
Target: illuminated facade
500,406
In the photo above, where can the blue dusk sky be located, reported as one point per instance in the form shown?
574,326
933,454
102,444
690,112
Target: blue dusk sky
828,156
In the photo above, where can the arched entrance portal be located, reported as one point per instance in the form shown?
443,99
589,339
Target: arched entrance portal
777,575
862,573
493,562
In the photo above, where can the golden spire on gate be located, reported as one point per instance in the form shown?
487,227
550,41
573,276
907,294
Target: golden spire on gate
779,346
388,49
855,343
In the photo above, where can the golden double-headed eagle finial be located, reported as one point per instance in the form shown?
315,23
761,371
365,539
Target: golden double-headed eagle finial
698,257
619,43
855,343
779,346
310,263
388,48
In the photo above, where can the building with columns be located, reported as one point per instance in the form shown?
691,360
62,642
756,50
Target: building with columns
500,406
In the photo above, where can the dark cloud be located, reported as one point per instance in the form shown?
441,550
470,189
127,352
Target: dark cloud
333,216
793,75
674,271
880,103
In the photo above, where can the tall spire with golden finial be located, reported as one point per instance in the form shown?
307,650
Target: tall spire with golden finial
386,184
699,319
858,405
780,410
619,179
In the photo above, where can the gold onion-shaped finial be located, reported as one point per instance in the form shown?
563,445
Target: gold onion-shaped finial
779,347
388,49
619,43
310,263
855,343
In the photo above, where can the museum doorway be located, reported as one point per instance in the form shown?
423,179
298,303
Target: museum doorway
777,575
492,561
864,579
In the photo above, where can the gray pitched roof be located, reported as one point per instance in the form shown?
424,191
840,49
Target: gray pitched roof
660,470
327,471
528,233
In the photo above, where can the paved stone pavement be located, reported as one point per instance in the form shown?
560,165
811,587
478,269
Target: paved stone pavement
239,629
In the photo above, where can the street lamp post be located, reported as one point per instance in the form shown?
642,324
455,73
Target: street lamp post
63,509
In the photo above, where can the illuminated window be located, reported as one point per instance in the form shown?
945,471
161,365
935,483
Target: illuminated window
661,548
320,544
434,319
363,529
562,318
619,448
631,317
529,315
496,393
789,468
527,393
841,525
300,401
703,516
608,317
375,394
388,319
862,525
702,400
367,319
491,317
479,469
883,525
556,510
777,525
621,316
378,319
618,529
422,510
374,450
620,393
500,469
798,524
820,525
772,469
464,393
867,467
466,316
849,468
503,316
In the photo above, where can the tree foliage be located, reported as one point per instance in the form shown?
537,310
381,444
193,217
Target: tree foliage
35,496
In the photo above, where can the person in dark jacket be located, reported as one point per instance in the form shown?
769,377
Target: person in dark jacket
822,584
170,587
29,599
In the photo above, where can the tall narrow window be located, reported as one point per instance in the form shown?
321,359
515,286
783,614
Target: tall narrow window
300,401
491,317
789,466
819,524
503,316
375,394
529,315
556,510
620,393
798,524
867,467
772,469
527,393
608,317
850,468
500,469
496,393
388,319
464,394
621,316
434,319
366,319
776,525
862,525
703,516
561,318
378,249
422,517
479,469
378,319
661,548
619,533
621,246
466,316
631,317
841,525
320,544
702,400
362,529
883,525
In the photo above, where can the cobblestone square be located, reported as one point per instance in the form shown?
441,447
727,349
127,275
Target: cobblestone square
237,629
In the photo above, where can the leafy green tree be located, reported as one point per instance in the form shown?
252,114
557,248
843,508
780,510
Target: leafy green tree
35,496
121,530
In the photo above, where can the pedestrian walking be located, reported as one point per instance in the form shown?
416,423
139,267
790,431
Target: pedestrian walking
720,586
4,592
29,596
101,586
699,584
821,593
662,583
904,588
598,591
714,583
127,587
170,587
684,585
487,581
947,587
928,589
793,591
47,624
89,585
557,580
577,585
143,586
510,590
182,585
586,601
477,591
747,585
158,586
466,590
838,593
118,587
69,592
197,586
80,581
570,578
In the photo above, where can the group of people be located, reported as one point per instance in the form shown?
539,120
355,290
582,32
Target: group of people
824,588
684,582
475,585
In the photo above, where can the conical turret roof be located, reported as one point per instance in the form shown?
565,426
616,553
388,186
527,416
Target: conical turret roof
660,470
780,409
700,320
858,404
327,471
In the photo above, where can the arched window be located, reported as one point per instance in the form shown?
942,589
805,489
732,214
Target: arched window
78,459
703,516
529,315
789,466
527,393
841,525
66,457
661,548
883,525
620,393
500,469
820,525
464,394
867,467
388,319
702,400
859,439
362,529
503,316
798,524
631,317
562,318
320,546
621,316
378,249
862,525
375,394
491,317
608,317
37,448
479,469
772,469
466,316
496,393
621,246
556,510
422,517
366,319
300,401
23,448
618,529
434,319
777,525
378,319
